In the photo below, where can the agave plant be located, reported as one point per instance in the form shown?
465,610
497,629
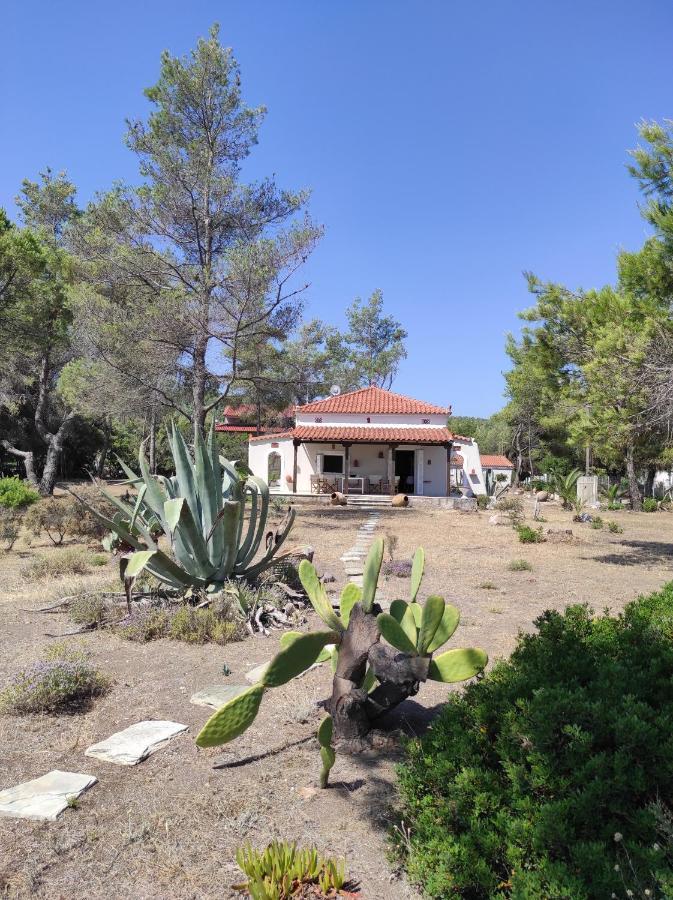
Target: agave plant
378,658
202,511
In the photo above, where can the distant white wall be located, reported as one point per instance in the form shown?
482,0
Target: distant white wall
474,482
663,481
415,421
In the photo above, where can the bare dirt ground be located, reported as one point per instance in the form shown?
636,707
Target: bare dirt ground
168,828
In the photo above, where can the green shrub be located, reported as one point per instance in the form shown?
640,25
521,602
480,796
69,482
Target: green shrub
615,528
528,535
16,494
520,565
488,586
70,561
597,523
144,623
281,872
524,780
62,681
483,500
650,504
201,626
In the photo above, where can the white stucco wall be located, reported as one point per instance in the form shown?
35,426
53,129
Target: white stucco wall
394,421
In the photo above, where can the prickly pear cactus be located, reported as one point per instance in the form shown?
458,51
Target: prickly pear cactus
378,658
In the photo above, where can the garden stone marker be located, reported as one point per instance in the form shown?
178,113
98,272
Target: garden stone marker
46,797
217,695
135,743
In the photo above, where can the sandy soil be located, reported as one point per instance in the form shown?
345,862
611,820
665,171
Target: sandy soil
169,827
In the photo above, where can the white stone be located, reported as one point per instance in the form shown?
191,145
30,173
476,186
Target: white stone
217,695
45,797
135,743
254,675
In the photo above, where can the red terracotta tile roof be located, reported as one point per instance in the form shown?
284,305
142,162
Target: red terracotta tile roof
250,429
374,400
272,436
362,435
456,461
495,461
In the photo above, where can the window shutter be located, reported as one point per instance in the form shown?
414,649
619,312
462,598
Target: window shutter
318,460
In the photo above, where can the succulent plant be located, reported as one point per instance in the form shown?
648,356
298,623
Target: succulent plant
202,509
378,658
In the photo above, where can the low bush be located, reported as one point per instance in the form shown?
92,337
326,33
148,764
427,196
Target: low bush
10,526
615,528
528,535
597,523
391,544
88,609
650,504
218,624
282,872
512,507
483,500
539,780
488,586
63,681
70,561
61,516
16,494
520,565
400,568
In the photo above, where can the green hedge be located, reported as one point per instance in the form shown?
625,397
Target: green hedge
542,780
16,494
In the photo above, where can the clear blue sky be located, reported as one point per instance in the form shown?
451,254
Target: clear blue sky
449,146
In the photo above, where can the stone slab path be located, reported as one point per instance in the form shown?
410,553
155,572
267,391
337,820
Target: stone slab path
217,695
354,558
44,798
135,743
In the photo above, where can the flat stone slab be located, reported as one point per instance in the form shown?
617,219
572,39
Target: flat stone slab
46,797
135,743
217,695
254,675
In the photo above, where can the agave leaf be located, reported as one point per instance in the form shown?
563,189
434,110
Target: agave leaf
417,572
457,665
232,719
447,626
279,540
209,494
394,634
247,549
254,537
154,495
297,657
231,512
129,516
370,576
131,476
350,595
117,527
137,562
184,470
315,590
182,526
433,611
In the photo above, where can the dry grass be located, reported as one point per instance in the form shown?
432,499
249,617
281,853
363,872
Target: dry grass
169,828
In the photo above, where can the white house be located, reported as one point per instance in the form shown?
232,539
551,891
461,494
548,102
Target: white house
497,469
370,441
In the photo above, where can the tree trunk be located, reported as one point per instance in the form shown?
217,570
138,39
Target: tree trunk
649,481
54,449
634,490
28,462
199,389
400,675
105,449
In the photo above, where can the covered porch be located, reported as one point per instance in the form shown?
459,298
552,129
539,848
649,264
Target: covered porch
365,467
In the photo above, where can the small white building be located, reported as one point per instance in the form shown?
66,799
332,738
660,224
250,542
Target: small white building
498,470
369,441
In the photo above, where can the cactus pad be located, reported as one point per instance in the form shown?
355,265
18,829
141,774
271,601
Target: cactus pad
301,653
433,612
370,576
232,719
318,596
350,595
447,626
457,665
417,572
393,632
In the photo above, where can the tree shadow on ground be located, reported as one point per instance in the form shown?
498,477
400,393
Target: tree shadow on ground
639,553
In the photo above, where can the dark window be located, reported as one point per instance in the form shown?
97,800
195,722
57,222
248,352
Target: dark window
273,468
333,464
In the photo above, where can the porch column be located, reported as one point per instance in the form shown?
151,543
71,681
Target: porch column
295,443
418,474
448,467
347,449
391,468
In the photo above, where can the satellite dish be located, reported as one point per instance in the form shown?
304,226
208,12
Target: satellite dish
335,390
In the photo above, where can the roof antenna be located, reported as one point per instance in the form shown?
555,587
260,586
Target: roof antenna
335,390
